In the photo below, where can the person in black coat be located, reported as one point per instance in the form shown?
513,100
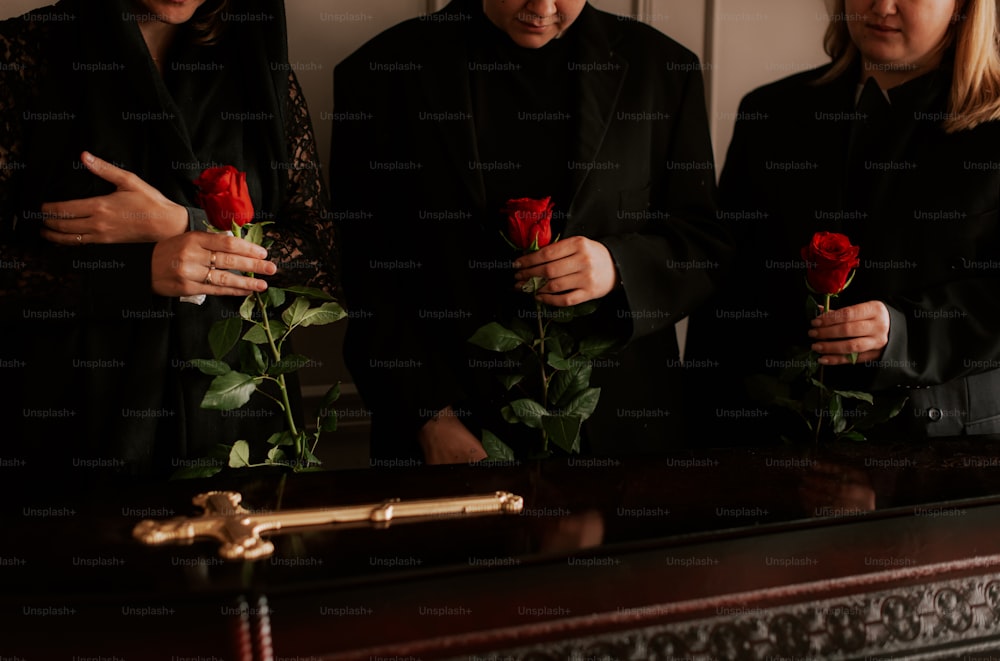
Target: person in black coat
442,119
109,111
895,145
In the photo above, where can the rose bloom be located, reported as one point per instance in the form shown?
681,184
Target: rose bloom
830,258
529,221
223,194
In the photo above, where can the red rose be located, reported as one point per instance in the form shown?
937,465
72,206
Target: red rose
529,222
223,194
830,258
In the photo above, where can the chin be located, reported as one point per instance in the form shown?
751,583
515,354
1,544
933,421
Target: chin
532,40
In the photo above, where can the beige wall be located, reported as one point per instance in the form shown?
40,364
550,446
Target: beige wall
755,42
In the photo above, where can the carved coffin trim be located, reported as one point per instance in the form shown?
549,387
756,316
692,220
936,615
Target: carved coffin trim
919,622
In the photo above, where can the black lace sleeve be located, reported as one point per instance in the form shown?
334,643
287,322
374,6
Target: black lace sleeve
303,248
26,271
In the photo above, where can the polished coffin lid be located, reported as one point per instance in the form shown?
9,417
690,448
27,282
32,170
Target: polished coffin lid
601,545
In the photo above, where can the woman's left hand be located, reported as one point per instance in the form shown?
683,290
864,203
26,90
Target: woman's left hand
862,329
135,213
577,270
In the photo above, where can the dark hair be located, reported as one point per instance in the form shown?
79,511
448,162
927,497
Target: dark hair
208,23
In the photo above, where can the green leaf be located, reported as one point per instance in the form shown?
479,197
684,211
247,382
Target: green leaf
327,313
229,391
819,384
239,456
276,456
295,312
280,438
583,404
223,335
248,307
837,414
288,364
557,361
523,330
210,367
595,347
563,430
255,232
853,436
567,384
507,412
495,337
257,359
328,422
885,408
258,336
853,357
332,395
855,394
559,341
528,411
812,307
496,449
275,296
533,284
310,292
308,458
511,380
195,472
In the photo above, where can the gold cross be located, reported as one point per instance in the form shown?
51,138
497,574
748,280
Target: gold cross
239,529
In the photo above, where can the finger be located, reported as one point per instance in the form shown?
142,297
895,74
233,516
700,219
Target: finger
233,282
551,252
223,243
850,313
847,345
853,329
230,262
68,210
68,238
843,359
560,268
565,299
122,179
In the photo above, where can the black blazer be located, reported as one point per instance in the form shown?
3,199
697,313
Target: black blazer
420,242
922,205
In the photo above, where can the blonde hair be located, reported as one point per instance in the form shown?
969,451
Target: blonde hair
975,88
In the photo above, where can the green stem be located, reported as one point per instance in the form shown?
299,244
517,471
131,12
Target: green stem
822,396
276,353
541,364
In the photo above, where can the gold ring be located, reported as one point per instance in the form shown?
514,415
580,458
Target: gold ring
208,276
212,261
79,238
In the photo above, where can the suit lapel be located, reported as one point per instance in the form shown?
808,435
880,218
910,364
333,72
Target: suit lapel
600,79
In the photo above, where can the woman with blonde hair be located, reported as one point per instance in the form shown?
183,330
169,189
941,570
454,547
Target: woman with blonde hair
893,144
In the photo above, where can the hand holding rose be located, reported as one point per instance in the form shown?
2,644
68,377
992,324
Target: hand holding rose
135,213
577,270
857,329
862,329
200,263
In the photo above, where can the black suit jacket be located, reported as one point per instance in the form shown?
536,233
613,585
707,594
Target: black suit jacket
922,204
424,265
